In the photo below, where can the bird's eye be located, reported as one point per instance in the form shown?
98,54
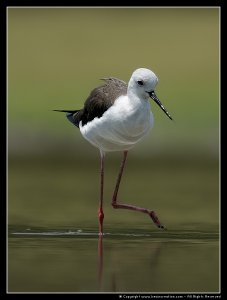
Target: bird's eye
140,82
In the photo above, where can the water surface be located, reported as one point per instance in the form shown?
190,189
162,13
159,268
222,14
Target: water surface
76,260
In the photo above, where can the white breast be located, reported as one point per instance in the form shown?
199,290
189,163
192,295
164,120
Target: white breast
123,125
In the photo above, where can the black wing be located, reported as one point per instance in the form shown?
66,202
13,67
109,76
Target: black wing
99,100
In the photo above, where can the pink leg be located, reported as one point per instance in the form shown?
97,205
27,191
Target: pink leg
100,212
151,213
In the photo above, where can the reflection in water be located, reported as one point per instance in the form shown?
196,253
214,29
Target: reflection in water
100,261
113,283
155,253
152,262
133,262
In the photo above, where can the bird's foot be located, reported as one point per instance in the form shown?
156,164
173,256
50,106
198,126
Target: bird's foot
101,218
155,219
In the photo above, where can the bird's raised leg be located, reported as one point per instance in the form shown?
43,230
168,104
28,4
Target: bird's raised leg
115,204
100,211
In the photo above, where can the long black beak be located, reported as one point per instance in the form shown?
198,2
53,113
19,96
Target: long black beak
155,98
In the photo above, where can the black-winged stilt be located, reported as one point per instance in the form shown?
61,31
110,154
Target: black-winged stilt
115,117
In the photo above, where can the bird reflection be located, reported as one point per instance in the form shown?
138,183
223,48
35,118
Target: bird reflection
152,252
100,261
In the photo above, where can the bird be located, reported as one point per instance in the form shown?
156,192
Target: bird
115,117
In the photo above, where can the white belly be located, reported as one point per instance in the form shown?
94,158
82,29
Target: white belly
121,126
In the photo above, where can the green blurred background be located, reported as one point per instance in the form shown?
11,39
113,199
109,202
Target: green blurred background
55,57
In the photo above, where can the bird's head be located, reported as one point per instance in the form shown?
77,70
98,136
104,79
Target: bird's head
142,84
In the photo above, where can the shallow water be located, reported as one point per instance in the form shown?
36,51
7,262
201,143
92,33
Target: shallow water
76,260
53,243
